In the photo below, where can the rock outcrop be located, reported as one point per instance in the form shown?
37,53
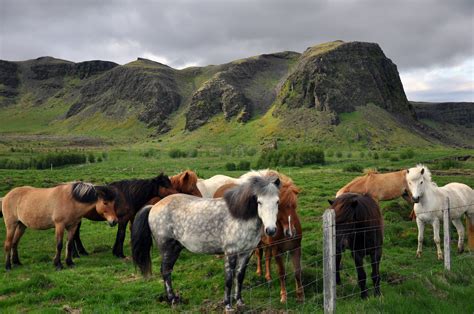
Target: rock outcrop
457,113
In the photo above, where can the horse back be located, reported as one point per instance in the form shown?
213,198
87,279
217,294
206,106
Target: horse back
461,197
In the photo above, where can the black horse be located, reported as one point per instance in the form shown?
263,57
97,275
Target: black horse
132,196
359,227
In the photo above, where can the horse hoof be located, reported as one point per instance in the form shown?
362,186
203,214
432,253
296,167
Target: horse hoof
18,263
229,309
85,253
418,254
460,250
59,267
300,297
440,257
258,273
283,299
71,264
268,278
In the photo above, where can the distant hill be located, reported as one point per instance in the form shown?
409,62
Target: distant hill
337,93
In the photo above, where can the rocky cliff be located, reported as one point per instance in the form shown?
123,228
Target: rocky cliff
457,113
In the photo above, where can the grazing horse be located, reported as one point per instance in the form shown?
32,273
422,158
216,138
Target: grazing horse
132,195
359,227
61,207
231,225
430,201
184,182
381,186
287,238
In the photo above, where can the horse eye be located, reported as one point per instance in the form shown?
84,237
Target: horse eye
421,182
278,202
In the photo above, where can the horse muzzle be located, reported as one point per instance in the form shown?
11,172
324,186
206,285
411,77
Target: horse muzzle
112,222
270,231
416,199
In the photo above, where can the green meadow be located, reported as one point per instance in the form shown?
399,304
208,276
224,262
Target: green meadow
104,284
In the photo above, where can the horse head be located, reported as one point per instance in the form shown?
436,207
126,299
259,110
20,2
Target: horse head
287,216
186,182
259,196
106,203
418,178
163,186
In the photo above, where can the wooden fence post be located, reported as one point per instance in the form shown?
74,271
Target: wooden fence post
447,237
329,256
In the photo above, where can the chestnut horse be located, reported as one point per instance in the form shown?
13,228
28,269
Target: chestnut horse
287,238
60,207
381,186
359,227
134,194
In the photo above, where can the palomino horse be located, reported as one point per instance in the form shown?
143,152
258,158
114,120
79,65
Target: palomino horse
132,195
381,186
61,207
208,187
430,201
359,227
287,238
231,225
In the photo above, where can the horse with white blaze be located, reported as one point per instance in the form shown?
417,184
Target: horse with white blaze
430,201
231,225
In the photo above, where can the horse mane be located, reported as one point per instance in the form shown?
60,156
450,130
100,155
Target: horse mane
357,208
107,193
84,192
242,199
137,192
426,173
288,192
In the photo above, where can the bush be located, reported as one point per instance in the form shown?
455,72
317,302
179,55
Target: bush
407,154
385,155
177,153
151,152
91,158
243,165
230,166
353,168
193,153
376,156
339,155
361,155
291,157
251,151
394,158
349,155
56,159
448,164
330,153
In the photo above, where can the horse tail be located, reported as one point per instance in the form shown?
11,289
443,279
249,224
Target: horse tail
1,213
142,241
84,192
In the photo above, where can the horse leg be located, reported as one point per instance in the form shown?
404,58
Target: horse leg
437,239
169,255
70,245
375,258
361,276
59,246
229,266
20,230
460,228
118,245
241,267
269,251
281,275
258,254
296,258
11,229
78,248
421,230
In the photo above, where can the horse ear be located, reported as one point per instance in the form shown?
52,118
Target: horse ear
186,176
354,204
277,182
422,170
330,202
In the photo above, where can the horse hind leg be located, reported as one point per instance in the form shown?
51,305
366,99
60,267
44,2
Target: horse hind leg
241,267
169,255
20,230
78,248
461,233
361,276
70,245
59,246
375,259
11,229
229,265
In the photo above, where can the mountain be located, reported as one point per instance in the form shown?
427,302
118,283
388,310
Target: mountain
336,92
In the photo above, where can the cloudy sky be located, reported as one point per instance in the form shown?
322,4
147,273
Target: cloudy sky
431,41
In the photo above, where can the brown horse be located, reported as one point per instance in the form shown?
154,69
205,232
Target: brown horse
60,207
184,182
287,238
359,227
133,195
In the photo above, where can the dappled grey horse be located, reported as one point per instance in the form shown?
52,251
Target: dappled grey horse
231,225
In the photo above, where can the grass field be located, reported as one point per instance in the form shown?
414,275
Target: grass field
101,283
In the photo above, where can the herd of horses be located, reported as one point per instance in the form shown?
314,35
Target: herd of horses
256,212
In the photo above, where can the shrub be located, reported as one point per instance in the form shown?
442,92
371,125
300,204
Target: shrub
339,155
230,166
91,158
353,168
105,155
361,155
251,151
291,157
448,164
394,158
177,153
407,154
193,153
56,159
243,165
151,152
349,155
385,155
376,156
330,153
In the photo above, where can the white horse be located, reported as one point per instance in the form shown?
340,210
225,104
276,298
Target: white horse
231,225
430,201
208,187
